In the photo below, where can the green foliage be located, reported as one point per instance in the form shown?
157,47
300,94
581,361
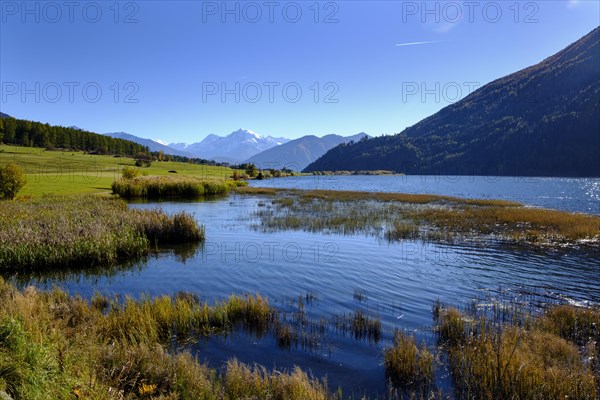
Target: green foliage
251,170
12,179
131,172
143,160
37,134
69,172
155,187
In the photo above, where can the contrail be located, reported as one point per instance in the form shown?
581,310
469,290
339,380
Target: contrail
416,43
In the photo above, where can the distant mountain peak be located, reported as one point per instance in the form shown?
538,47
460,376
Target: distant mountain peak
235,147
160,142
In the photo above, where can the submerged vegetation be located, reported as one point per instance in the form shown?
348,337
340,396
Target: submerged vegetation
77,231
422,216
156,187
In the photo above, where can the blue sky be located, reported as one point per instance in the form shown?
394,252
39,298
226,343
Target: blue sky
179,71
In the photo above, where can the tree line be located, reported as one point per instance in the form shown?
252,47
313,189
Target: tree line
37,134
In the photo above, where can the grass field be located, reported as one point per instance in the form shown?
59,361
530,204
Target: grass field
65,172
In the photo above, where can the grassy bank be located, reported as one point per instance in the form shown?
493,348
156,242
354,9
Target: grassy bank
67,172
53,346
155,187
422,216
80,231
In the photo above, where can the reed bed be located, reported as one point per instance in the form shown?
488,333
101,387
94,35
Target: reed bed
423,217
158,187
75,231
531,358
351,196
53,346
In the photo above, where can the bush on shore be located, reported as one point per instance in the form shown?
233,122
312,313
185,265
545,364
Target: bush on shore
157,187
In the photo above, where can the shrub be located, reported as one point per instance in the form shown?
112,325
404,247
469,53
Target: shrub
131,172
12,179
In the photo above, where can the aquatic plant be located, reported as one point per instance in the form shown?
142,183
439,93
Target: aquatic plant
54,346
157,187
77,231
493,359
407,364
424,217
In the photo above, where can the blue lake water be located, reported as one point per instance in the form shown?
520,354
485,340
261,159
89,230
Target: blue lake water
569,194
398,282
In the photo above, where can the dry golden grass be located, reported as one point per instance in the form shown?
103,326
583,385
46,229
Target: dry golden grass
255,190
68,231
406,364
53,346
490,359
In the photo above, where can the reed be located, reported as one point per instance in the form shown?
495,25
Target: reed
407,364
491,359
72,231
159,319
423,217
158,187
54,346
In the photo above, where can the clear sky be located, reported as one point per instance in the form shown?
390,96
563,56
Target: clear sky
178,71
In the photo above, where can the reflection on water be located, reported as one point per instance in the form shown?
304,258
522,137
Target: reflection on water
395,282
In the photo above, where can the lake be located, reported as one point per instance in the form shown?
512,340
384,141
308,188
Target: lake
568,194
336,275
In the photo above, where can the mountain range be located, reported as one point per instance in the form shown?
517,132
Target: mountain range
541,121
233,148
299,153
247,146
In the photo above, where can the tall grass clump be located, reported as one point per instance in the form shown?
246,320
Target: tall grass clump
537,359
407,364
157,187
159,319
71,231
54,346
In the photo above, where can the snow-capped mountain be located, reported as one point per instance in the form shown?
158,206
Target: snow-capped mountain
235,147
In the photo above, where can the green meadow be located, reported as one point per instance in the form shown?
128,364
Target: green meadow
67,172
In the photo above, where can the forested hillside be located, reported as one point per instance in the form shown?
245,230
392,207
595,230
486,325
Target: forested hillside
543,120
37,134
